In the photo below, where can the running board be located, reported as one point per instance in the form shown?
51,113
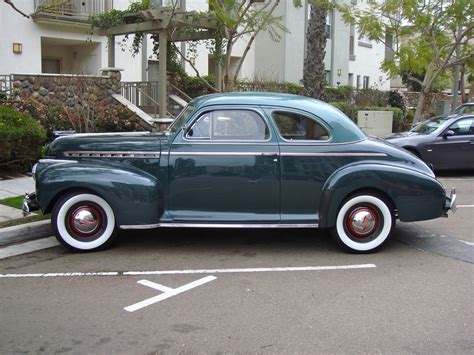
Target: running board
219,225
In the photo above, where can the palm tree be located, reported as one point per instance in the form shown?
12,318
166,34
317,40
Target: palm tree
316,37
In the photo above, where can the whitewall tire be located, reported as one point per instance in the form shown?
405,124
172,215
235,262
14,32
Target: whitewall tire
364,222
83,222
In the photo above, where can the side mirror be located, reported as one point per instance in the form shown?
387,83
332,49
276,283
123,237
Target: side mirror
449,133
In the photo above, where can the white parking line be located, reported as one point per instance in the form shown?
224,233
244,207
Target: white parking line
465,206
181,272
28,247
167,292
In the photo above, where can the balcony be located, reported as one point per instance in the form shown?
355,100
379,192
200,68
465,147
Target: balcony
74,12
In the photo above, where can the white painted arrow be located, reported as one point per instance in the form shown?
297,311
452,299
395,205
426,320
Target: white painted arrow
167,292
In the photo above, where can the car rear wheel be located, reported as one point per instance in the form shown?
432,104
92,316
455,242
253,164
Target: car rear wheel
364,223
83,222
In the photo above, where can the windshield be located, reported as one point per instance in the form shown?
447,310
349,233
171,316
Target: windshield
465,109
182,117
428,126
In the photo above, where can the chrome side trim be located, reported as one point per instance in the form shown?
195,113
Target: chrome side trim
111,154
287,154
222,153
219,225
57,161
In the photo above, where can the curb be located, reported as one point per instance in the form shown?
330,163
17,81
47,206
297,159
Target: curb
22,232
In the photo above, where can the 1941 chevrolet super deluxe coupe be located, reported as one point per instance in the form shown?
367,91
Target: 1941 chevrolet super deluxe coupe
251,160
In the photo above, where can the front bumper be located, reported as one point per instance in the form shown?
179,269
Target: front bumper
450,203
30,203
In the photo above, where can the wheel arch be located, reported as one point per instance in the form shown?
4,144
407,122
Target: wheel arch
135,196
404,188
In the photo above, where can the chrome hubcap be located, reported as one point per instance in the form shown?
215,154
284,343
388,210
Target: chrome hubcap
362,221
85,221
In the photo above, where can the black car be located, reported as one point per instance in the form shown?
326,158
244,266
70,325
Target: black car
445,142
466,108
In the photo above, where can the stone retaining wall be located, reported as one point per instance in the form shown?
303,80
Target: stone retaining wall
73,91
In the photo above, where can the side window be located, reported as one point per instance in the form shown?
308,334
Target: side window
238,125
463,127
229,125
294,126
201,128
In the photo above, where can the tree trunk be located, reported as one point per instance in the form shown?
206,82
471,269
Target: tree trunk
313,72
419,106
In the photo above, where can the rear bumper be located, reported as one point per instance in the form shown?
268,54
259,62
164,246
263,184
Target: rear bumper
450,203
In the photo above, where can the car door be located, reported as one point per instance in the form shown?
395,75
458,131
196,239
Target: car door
454,148
224,168
306,163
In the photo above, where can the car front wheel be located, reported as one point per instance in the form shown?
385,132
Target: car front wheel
83,222
364,222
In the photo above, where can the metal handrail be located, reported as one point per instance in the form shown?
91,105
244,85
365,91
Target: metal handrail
180,92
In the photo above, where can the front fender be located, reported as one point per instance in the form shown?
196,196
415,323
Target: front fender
135,196
415,195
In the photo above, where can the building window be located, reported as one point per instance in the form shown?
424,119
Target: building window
364,41
388,46
358,81
350,79
352,42
366,82
328,78
328,24
51,65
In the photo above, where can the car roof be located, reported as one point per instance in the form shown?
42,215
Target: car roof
347,131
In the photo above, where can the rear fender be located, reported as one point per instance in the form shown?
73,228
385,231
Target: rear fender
416,196
135,196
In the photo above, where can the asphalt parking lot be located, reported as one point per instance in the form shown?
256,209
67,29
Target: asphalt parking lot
248,291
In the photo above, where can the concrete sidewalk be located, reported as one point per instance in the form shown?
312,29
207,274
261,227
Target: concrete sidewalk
16,186
11,188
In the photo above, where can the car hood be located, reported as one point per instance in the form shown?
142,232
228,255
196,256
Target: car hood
80,145
401,135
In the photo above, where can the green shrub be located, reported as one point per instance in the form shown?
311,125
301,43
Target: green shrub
340,94
21,138
101,118
349,109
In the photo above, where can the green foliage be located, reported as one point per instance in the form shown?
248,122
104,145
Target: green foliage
101,118
339,94
371,97
395,99
21,138
15,202
349,109
424,35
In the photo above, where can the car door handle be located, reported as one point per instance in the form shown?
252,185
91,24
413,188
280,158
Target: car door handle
269,154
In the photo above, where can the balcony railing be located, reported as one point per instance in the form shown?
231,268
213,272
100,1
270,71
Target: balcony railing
5,84
69,10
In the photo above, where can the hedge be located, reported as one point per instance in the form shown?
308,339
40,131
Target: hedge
21,138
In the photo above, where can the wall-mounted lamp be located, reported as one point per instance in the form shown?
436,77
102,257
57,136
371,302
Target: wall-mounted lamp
17,48
192,60
339,71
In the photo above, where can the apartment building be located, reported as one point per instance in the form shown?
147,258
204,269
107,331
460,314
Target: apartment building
58,39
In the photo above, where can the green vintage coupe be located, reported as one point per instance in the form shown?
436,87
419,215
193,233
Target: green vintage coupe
240,160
